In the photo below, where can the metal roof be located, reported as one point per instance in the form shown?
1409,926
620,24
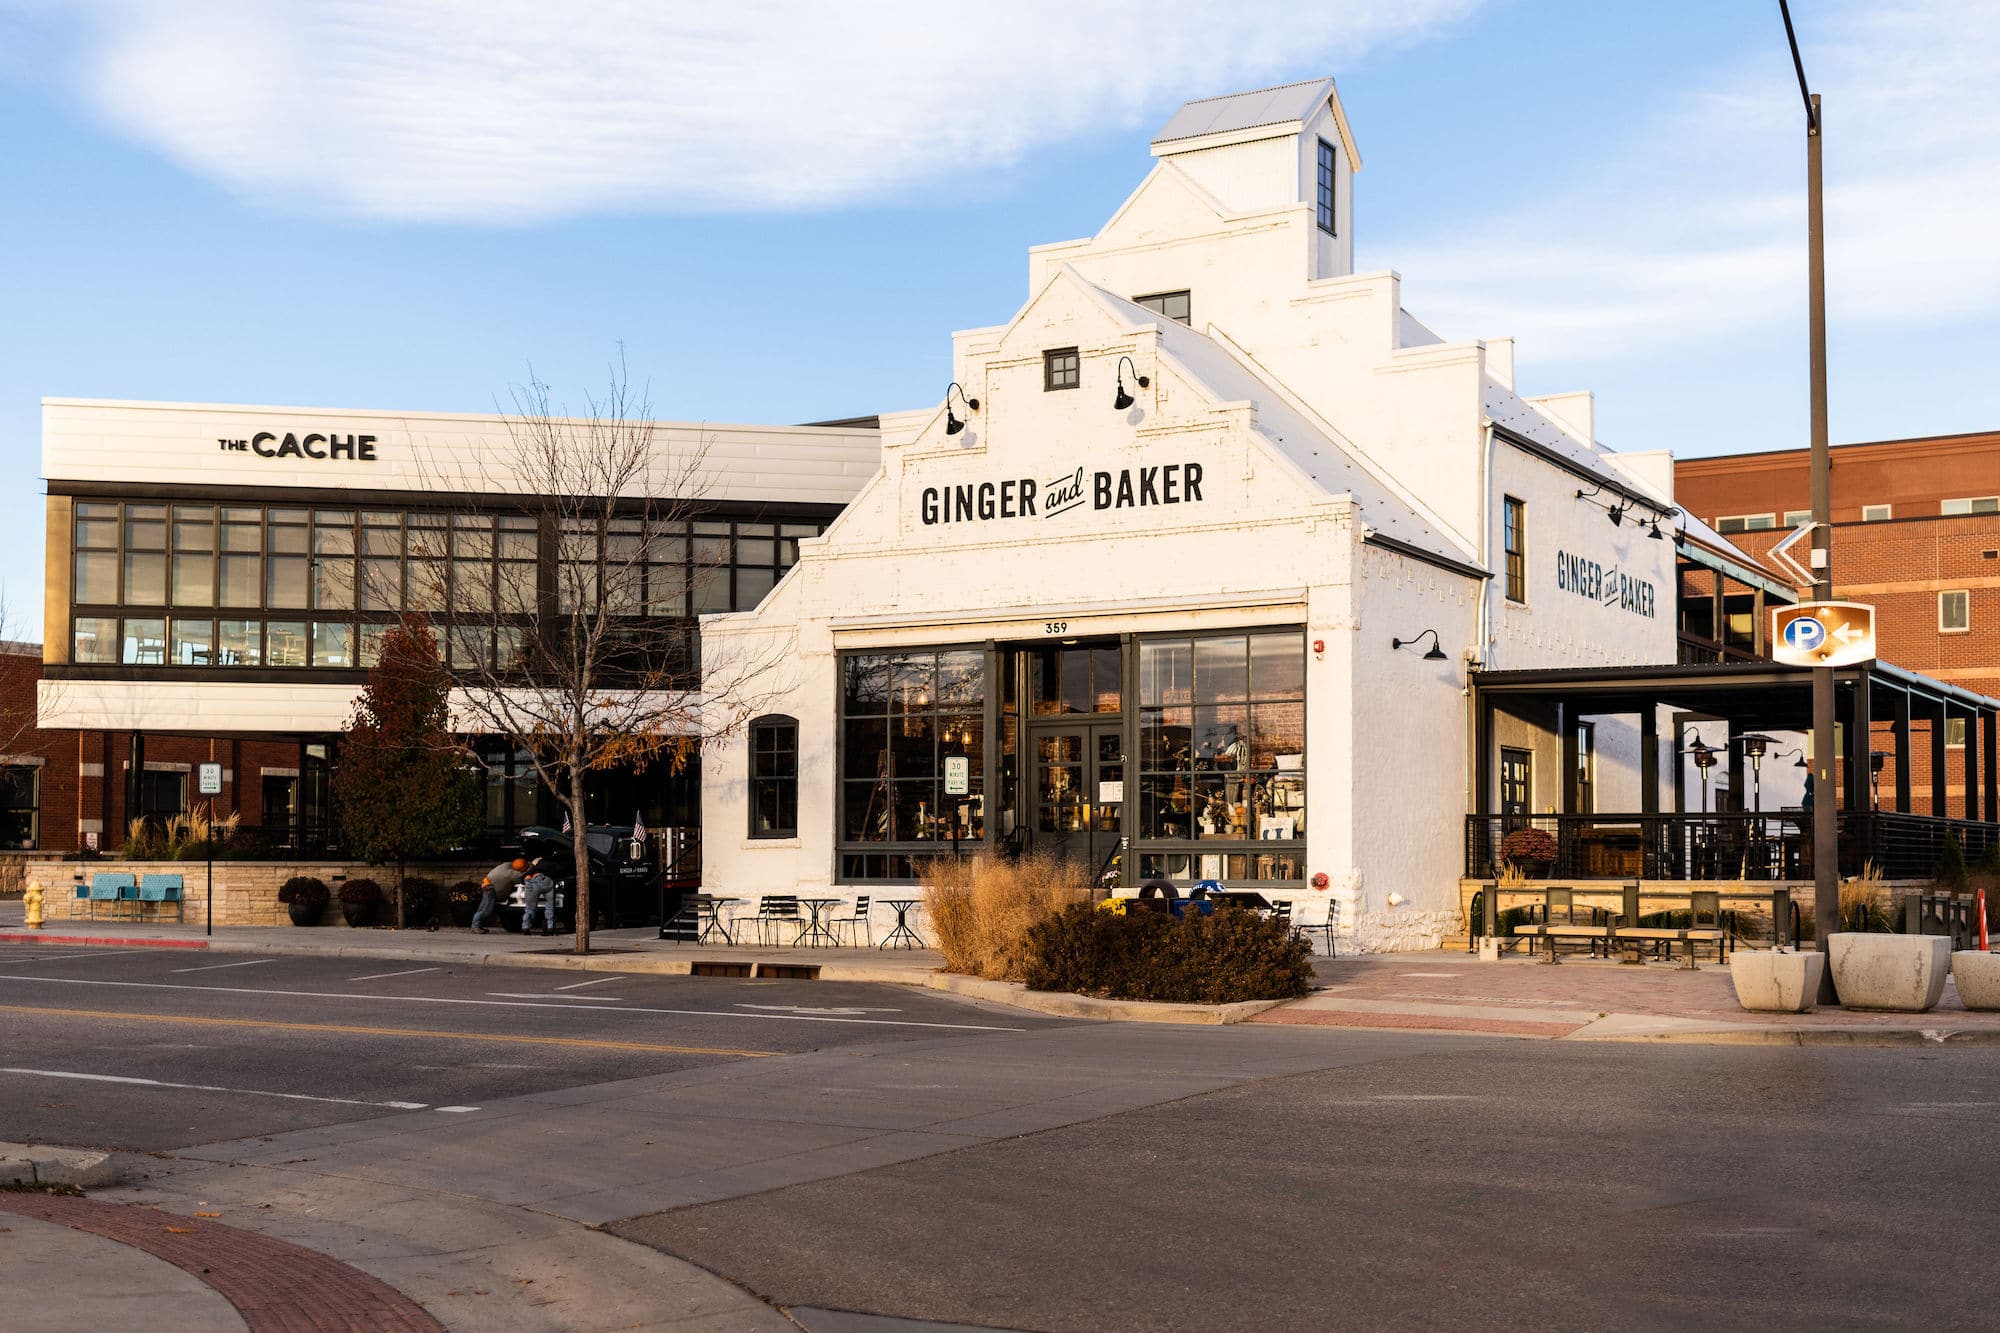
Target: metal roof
1243,111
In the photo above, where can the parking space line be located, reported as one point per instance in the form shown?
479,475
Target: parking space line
208,1087
539,995
33,957
540,1003
384,976
505,1038
216,967
579,985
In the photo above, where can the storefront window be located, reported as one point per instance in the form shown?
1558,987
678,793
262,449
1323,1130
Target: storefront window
20,807
1222,752
467,568
902,715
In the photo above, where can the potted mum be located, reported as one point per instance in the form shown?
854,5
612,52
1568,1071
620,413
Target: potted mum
304,898
1532,849
359,899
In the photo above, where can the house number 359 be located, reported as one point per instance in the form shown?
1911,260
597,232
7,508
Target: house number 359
1055,627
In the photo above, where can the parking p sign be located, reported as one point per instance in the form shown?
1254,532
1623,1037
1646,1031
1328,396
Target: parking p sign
1823,634
208,780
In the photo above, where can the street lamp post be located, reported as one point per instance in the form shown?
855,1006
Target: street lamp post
1826,835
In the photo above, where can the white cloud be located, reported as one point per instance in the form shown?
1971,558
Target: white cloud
519,109
1696,230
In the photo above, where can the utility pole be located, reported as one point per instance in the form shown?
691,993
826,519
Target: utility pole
1826,828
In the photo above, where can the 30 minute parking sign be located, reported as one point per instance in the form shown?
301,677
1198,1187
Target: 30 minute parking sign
208,780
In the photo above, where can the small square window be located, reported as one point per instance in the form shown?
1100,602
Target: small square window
1954,611
1794,517
1174,305
1061,369
1954,733
1977,504
1875,513
1746,523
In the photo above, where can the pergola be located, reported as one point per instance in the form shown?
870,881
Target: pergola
1877,700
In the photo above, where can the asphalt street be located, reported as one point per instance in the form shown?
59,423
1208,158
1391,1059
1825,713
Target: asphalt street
887,1151
1444,1184
156,1049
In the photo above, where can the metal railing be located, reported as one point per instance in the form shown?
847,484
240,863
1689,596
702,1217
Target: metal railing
1772,846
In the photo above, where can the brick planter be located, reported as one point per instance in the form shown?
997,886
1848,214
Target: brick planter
246,892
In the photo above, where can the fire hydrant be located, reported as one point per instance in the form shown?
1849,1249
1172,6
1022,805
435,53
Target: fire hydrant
31,899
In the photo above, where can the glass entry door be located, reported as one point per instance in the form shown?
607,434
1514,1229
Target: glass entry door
1079,792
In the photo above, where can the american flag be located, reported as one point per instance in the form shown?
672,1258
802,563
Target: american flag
565,821
639,826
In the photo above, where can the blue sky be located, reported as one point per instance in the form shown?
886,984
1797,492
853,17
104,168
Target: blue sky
781,217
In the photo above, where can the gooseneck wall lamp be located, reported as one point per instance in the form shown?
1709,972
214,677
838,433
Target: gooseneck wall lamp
1436,654
1625,505
952,423
1124,399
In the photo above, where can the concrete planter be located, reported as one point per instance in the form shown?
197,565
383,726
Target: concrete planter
1776,981
1978,976
1901,973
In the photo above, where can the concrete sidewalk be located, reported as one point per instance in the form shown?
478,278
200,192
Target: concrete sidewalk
1442,990
1595,1000
638,950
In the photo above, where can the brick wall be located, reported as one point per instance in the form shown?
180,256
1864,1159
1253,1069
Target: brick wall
83,772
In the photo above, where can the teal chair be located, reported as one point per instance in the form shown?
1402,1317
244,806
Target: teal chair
159,890
113,887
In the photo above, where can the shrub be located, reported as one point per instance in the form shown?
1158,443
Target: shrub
423,899
303,890
465,891
982,909
1861,901
360,892
1529,845
1221,958
1951,872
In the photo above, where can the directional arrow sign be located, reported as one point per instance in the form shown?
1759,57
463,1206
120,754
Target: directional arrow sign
1823,634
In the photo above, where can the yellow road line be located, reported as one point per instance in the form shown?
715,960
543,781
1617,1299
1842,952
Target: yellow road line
586,1043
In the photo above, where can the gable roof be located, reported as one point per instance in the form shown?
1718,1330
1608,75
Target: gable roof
1285,104
1289,432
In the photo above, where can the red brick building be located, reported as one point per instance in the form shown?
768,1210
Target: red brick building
61,789
1916,533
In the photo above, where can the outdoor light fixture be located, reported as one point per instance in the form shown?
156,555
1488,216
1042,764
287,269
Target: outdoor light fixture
1704,757
1653,530
1125,400
952,424
1436,654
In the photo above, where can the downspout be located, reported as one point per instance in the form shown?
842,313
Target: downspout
1484,617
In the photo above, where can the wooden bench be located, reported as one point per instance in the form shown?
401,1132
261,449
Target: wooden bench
1555,932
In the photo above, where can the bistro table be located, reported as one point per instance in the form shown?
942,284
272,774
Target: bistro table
816,935
708,911
902,937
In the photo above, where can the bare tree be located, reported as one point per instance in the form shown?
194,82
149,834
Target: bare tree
580,652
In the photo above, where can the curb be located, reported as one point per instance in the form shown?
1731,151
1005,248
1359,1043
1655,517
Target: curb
38,937
1062,1005
40,1164
1803,1036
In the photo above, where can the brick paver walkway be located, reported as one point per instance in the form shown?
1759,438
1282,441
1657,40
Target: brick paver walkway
277,1287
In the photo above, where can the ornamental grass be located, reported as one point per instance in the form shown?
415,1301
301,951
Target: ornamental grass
982,908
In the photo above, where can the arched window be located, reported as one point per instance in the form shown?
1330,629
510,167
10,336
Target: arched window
774,777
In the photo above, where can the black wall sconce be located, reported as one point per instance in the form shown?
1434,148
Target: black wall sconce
1124,399
952,424
1436,654
1617,511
